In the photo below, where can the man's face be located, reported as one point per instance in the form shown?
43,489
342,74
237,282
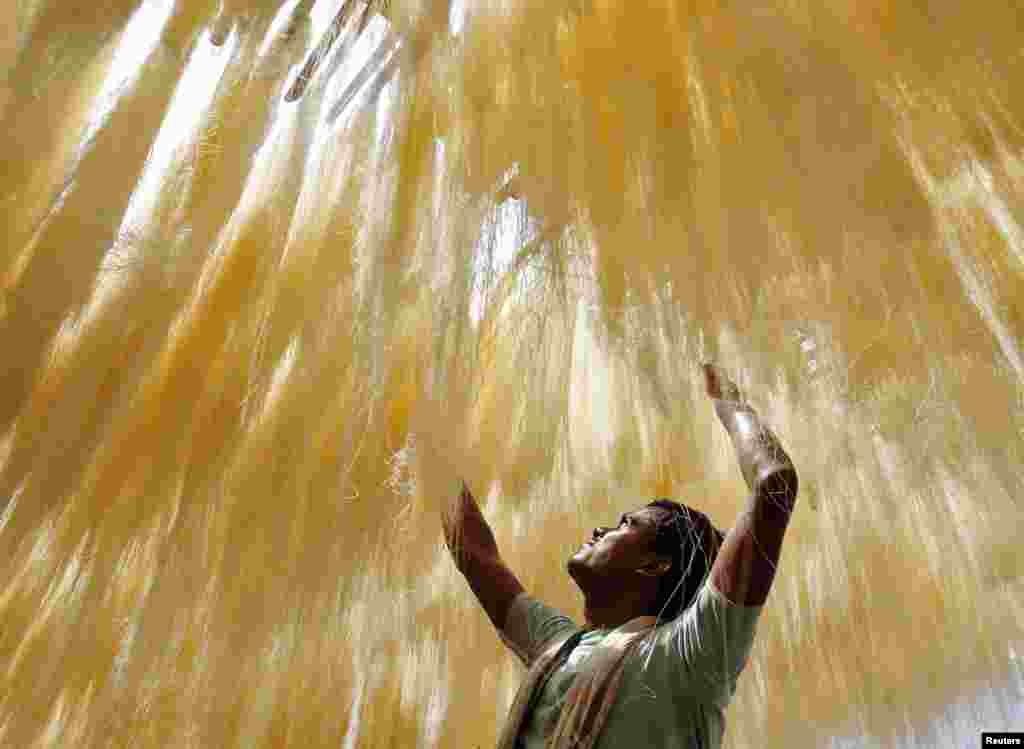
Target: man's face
621,549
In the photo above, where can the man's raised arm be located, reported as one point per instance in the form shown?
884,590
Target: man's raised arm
745,567
476,556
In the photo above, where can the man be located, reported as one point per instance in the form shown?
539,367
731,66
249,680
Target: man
670,609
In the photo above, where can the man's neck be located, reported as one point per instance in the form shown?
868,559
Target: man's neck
612,614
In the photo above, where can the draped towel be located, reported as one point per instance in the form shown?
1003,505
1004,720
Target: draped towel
593,691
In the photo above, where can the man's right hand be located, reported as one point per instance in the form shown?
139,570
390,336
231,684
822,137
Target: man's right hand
455,521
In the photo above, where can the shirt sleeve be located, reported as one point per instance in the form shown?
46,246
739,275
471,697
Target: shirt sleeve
530,625
709,643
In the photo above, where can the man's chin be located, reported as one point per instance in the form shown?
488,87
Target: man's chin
577,562
572,565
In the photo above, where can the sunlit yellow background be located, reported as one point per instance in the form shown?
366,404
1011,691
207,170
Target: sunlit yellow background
277,276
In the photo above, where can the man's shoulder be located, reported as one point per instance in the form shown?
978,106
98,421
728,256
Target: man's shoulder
533,626
703,648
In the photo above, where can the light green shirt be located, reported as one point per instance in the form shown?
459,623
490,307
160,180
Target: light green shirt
674,689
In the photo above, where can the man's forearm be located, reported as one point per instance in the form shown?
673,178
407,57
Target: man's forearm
475,551
758,451
746,563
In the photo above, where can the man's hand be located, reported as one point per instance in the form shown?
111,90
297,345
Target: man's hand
719,386
454,523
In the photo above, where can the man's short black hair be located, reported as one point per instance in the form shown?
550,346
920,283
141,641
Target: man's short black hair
688,537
